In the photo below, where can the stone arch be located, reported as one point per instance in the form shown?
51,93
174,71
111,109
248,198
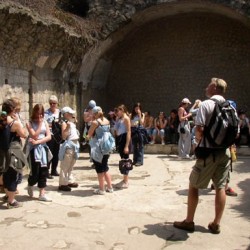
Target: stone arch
140,62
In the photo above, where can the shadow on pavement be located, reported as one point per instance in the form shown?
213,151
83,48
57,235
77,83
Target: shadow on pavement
207,191
82,168
167,232
73,192
243,207
242,167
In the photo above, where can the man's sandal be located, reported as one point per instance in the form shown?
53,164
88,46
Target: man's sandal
214,228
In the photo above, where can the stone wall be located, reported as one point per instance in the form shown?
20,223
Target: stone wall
14,82
157,52
114,13
38,54
153,51
175,57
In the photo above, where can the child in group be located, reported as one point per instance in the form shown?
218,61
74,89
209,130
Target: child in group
38,152
69,150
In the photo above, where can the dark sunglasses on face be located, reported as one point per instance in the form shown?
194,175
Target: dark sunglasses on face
53,103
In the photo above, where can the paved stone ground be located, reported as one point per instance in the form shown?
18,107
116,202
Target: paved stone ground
139,217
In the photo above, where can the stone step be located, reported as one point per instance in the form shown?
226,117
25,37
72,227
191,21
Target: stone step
161,149
173,149
243,151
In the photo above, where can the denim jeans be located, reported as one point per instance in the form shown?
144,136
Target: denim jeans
138,153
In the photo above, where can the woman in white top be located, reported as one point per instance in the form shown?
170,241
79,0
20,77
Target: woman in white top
123,133
38,152
52,116
184,144
69,150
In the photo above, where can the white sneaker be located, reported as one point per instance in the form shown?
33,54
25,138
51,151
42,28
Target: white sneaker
98,191
109,190
163,143
30,191
193,157
152,142
44,198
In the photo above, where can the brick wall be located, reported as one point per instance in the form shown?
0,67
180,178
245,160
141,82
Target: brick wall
175,57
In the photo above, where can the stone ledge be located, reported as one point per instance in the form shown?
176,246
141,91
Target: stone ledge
161,149
173,149
243,151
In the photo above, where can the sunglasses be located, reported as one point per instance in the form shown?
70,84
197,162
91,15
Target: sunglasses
53,103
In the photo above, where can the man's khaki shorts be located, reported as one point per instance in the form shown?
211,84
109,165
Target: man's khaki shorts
215,168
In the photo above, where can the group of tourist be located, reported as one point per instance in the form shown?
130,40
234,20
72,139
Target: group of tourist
51,136
37,145
162,128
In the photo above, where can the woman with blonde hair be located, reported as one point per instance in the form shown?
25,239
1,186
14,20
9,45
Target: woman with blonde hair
99,126
184,144
52,116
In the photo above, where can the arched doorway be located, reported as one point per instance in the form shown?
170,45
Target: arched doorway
172,51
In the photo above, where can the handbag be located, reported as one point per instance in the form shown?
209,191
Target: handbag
125,164
182,129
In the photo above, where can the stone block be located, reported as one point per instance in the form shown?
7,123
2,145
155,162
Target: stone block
54,60
161,149
243,151
41,61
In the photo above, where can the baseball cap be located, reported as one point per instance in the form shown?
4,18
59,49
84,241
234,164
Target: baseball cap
91,104
96,109
186,100
233,103
67,110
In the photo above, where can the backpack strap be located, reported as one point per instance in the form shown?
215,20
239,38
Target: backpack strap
211,122
99,124
11,135
11,124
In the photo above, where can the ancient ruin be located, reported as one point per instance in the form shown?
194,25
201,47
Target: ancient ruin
123,51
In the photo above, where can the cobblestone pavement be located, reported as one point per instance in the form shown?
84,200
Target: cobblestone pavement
139,217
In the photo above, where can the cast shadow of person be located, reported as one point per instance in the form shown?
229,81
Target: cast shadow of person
167,232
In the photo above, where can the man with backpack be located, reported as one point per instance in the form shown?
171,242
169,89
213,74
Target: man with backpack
213,157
